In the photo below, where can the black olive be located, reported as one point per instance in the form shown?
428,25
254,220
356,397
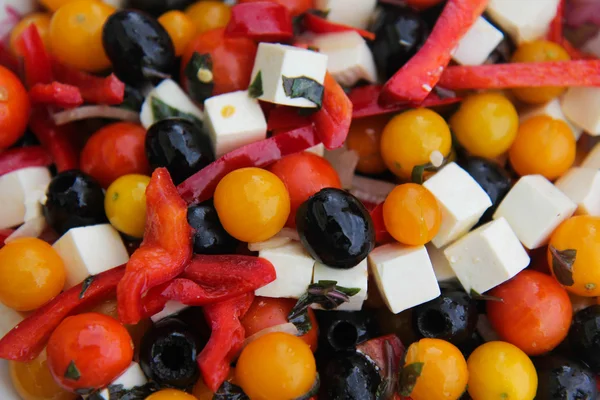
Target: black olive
452,317
159,7
180,146
134,99
560,378
349,376
584,336
139,48
343,330
74,199
400,33
27,140
168,353
335,228
209,237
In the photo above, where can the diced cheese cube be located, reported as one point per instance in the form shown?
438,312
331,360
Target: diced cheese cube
90,250
486,257
592,46
234,120
592,160
441,266
461,200
356,13
582,186
20,193
9,318
132,377
294,269
318,150
534,207
404,276
478,43
169,92
276,61
349,57
581,105
356,277
524,21
172,307
551,109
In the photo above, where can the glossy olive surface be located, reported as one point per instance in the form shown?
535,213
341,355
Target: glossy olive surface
584,336
158,7
343,330
349,376
560,378
209,235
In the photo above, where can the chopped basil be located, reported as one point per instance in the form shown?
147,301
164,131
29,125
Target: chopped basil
86,285
484,297
256,87
408,377
562,265
199,77
229,391
72,372
161,110
304,87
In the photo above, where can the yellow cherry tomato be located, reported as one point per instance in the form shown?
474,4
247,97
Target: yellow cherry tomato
180,28
411,214
253,204
500,370
53,5
76,35
125,204
170,394
444,372
31,274
485,124
33,381
209,14
41,22
364,137
277,366
539,51
410,138
543,146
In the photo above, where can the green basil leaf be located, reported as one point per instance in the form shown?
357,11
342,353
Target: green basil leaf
304,87
199,77
72,373
562,265
408,377
255,89
86,285
161,110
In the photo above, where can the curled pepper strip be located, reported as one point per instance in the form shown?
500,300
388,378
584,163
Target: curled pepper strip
23,157
55,94
38,66
26,340
261,21
55,139
94,89
284,117
165,249
382,236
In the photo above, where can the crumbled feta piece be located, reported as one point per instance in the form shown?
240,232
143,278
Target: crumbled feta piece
581,105
20,195
9,318
551,109
355,277
582,186
478,43
132,377
356,13
524,21
169,92
172,307
441,266
592,160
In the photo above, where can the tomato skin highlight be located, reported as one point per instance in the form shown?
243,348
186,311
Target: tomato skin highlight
14,108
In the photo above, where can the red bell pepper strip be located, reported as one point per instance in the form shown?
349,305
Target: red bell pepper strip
38,66
55,94
7,59
165,250
26,340
284,117
535,74
4,233
202,184
260,21
381,234
415,80
94,89
317,24
23,157
555,33
226,338
55,139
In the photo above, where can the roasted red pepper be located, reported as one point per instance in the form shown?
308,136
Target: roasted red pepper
38,66
317,24
202,184
23,157
4,233
94,89
502,76
26,340
226,338
55,94
555,33
415,80
381,234
165,250
55,139
261,21
284,117
7,59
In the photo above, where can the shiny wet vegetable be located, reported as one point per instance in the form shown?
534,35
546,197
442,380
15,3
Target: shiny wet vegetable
349,375
209,235
561,378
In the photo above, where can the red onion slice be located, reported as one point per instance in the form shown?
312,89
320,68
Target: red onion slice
86,112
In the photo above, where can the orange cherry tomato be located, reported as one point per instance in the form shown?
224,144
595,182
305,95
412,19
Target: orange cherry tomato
42,23
180,28
117,149
208,14
14,108
88,351
266,312
365,138
304,174
295,7
535,313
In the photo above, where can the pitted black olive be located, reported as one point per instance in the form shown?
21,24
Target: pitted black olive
563,379
209,235
159,7
349,376
343,330
584,336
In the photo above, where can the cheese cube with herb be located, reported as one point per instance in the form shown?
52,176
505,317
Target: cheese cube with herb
349,57
487,257
90,250
524,21
20,195
581,105
234,120
288,75
355,277
461,200
592,160
356,13
553,110
478,43
294,268
404,276
131,378
534,207
441,266
168,100
582,186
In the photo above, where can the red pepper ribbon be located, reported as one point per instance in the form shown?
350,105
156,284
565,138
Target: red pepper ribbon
165,250
260,21
55,139
38,66
55,94
382,236
4,233
94,89
317,24
555,33
23,157
7,59
284,117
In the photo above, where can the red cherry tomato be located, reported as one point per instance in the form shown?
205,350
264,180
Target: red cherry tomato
266,312
535,314
88,351
14,108
233,59
115,150
304,174
295,7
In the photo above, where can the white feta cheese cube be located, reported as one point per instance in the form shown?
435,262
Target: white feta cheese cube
524,21
404,276
349,57
294,269
592,160
234,120
172,307
9,318
534,207
478,43
441,266
553,110
169,92
461,200
356,277
486,257
582,186
132,377
356,13
276,61
20,193
581,105
90,250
